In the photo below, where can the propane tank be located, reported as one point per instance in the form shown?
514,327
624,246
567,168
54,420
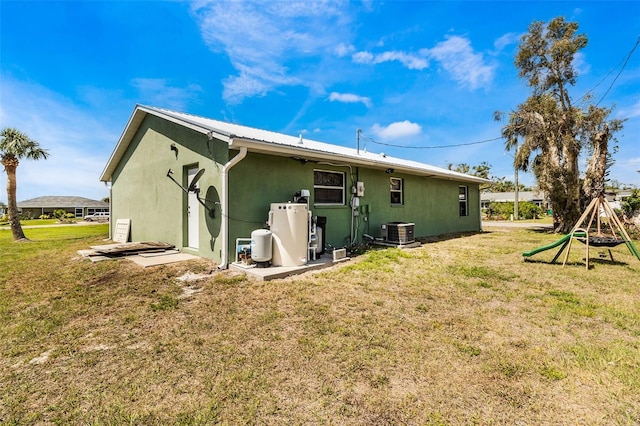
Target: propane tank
261,245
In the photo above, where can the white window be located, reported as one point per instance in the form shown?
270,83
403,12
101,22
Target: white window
328,187
462,198
396,189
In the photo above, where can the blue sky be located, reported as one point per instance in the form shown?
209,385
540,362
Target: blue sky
409,73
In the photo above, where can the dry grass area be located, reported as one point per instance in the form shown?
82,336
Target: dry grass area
456,332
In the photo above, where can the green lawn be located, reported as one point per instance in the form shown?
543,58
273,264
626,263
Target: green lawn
458,331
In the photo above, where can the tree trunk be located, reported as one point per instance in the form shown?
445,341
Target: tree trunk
10,165
593,185
566,218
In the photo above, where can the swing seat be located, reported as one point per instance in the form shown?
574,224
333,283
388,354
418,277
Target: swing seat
602,241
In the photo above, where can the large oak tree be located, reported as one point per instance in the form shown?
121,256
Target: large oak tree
549,131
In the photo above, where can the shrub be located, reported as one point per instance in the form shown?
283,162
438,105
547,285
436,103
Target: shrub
529,210
631,204
44,216
504,210
59,213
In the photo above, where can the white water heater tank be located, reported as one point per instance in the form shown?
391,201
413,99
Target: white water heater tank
289,223
261,243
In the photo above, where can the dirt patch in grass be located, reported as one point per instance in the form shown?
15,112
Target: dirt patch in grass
458,331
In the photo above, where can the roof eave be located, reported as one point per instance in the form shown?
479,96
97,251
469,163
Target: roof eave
314,155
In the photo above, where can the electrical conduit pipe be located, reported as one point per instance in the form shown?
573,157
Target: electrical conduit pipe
224,261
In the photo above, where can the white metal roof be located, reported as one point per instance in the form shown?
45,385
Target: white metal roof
257,140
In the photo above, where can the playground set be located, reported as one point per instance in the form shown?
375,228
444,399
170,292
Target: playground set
603,229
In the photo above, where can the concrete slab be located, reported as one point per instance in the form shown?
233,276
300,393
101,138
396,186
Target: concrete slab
108,246
400,246
144,259
156,254
277,272
99,258
161,260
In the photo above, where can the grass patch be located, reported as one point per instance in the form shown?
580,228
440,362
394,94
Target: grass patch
569,303
166,302
380,260
458,331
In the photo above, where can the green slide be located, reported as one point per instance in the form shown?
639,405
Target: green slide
562,240
633,249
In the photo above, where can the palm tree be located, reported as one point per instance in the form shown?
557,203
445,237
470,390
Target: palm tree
14,146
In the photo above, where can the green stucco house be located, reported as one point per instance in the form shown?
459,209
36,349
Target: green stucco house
247,169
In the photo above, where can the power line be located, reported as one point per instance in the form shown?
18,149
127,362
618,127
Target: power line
433,146
620,72
626,61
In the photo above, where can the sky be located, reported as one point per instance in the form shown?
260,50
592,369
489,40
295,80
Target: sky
421,79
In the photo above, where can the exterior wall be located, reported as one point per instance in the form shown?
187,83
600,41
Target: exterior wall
432,204
157,207
256,182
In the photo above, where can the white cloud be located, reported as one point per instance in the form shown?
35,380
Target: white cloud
458,58
349,98
363,58
157,91
397,130
580,64
343,50
455,55
412,62
79,142
261,38
506,40
631,111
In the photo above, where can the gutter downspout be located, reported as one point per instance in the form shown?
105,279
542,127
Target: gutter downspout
224,261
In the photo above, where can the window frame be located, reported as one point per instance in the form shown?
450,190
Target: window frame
463,200
343,188
396,191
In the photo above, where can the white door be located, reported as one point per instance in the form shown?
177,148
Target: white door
193,216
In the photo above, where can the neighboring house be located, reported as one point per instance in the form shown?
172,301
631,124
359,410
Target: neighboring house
616,198
622,195
78,206
534,197
247,169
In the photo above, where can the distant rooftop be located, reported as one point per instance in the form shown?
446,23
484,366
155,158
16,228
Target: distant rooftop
510,196
61,201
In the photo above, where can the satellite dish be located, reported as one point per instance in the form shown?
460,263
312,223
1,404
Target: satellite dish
195,180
